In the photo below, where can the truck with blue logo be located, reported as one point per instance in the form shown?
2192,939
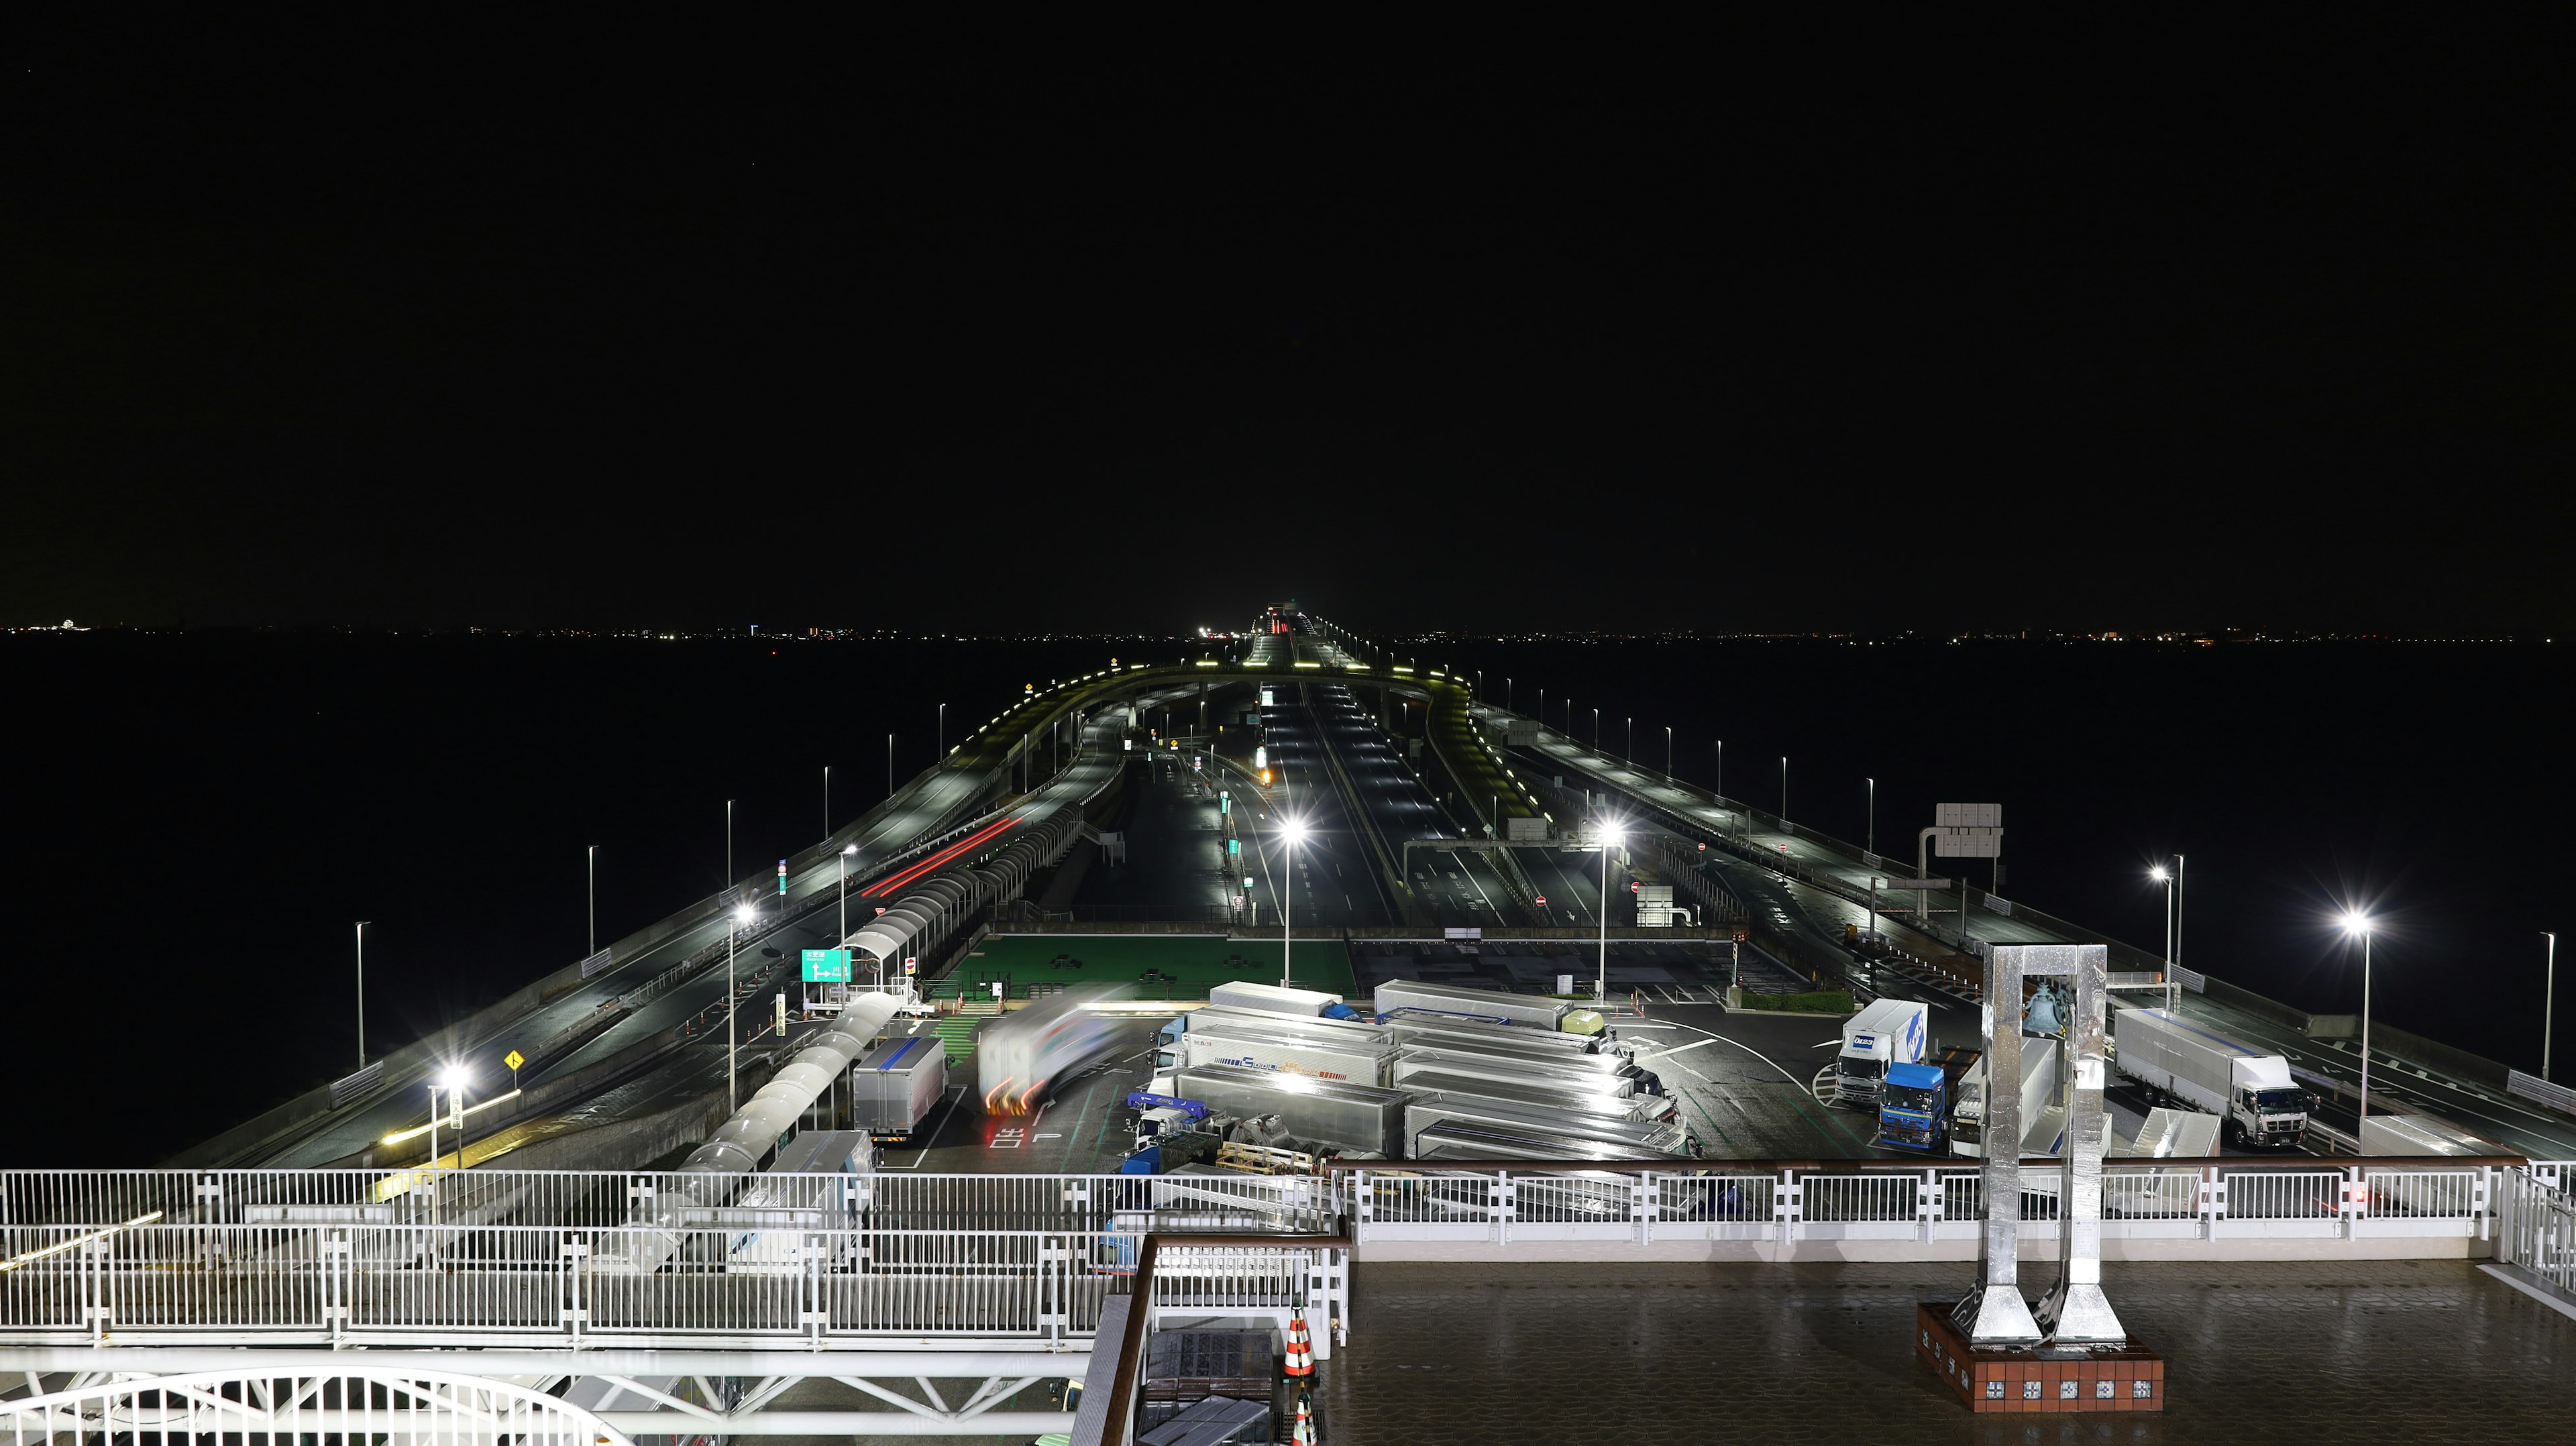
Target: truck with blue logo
1916,1101
1887,1033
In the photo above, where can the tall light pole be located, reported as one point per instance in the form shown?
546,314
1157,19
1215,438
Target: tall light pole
844,857
1291,833
1872,846
1631,755
939,744
2359,923
827,800
2160,876
1784,790
1609,840
593,861
728,844
1596,730
733,932
2179,880
2548,1006
362,997
1668,751
889,767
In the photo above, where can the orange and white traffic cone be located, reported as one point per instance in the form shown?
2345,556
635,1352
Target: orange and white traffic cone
1301,1349
1304,1435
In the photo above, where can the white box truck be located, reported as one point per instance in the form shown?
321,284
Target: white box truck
2248,1088
1889,1031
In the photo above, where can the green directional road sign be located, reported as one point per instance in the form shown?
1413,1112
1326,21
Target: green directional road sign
827,966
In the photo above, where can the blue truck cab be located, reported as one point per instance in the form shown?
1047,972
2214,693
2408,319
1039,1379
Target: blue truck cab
1913,1113
1915,1106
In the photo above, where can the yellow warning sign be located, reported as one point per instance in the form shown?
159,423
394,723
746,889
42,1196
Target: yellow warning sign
514,1059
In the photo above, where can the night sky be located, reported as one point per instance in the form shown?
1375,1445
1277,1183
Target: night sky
1863,331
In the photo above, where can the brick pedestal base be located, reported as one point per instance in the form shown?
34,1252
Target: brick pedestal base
2045,1379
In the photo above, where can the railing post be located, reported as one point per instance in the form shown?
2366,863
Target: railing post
1784,1209
2213,1200
1506,1205
1927,1203
337,1285
1363,1207
576,1313
1643,1199
812,1314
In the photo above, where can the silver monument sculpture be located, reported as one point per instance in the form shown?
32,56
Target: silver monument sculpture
2074,1312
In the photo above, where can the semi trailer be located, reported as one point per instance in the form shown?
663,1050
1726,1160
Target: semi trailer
895,1086
2249,1088
1887,1032
1917,1101
1531,1011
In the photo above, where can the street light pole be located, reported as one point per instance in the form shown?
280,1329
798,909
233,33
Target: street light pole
1784,791
733,933
1601,984
827,800
1668,751
2548,1004
2358,923
1872,845
362,997
2160,876
939,744
728,844
593,861
889,766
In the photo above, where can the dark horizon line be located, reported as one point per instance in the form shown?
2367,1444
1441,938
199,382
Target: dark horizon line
1421,638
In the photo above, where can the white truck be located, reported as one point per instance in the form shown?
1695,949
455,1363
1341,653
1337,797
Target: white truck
2247,1088
1888,1031
2043,1109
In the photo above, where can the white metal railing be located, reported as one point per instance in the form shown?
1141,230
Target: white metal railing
1941,1202
379,1403
501,1257
2536,1227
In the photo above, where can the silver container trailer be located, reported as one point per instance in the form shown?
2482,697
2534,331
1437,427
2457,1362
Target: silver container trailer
1586,1070
1344,1116
1345,1029
1275,1042
1540,1094
1271,999
1474,1143
895,1086
1432,1027
1532,1011
1424,1111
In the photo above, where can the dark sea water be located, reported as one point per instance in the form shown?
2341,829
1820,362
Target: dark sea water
193,824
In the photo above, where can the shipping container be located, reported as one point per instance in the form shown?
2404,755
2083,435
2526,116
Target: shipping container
1327,1112
1425,1111
1275,1041
895,1087
1534,1011
1479,1143
1271,999
1432,1027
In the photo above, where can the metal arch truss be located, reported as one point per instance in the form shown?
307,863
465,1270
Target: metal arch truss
543,1398
2074,1312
